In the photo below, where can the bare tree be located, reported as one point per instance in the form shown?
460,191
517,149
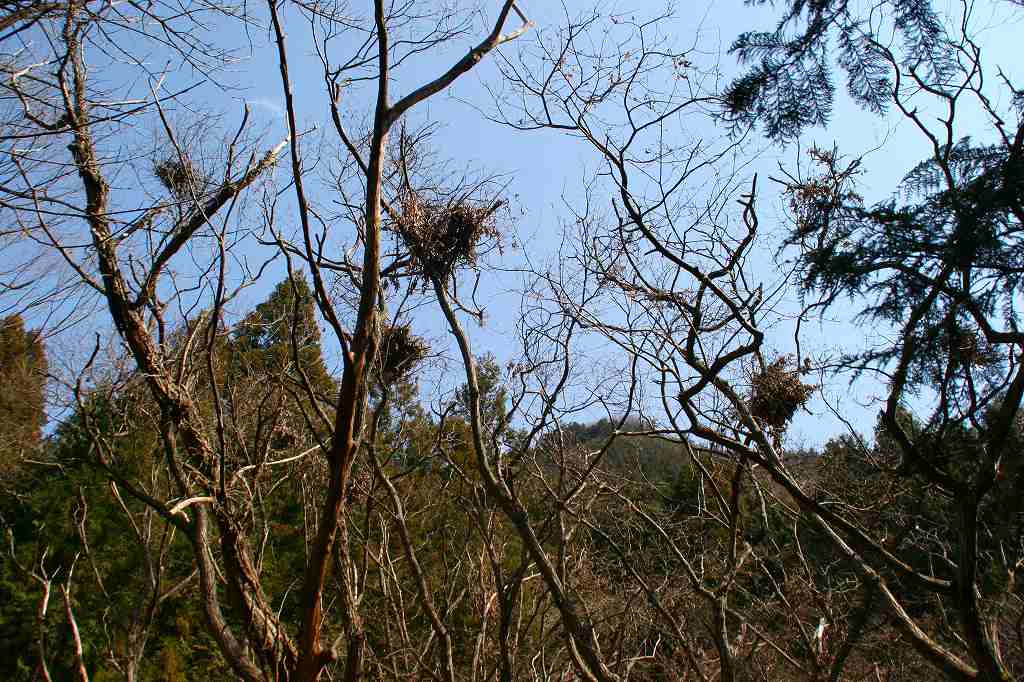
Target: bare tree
484,535
685,304
128,258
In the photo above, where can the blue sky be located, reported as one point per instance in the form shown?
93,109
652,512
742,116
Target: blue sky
546,169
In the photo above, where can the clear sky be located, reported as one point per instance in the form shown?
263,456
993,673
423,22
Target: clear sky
546,169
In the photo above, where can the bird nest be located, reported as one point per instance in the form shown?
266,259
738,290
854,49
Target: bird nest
444,235
283,436
968,348
360,485
400,350
178,175
777,393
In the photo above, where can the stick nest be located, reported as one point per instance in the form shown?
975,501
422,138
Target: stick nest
969,348
442,236
360,485
178,175
400,351
777,393
283,436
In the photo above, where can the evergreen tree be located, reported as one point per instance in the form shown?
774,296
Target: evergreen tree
938,266
22,386
789,84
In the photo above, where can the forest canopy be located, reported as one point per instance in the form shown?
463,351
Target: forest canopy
286,393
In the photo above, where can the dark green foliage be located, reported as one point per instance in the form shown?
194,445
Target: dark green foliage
66,508
280,330
272,356
889,255
921,514
635,457
938,268
22,387
62,514
493,397
788,85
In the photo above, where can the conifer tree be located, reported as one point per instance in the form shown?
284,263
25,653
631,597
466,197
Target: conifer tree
22,387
